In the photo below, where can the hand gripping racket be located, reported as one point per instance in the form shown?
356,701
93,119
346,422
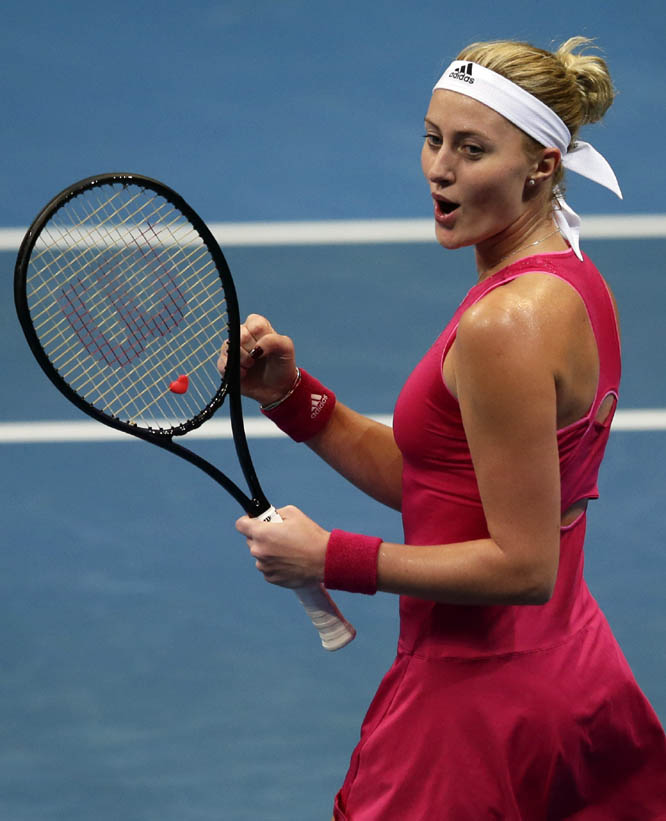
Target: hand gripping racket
125,299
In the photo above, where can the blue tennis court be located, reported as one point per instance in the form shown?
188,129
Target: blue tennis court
148,672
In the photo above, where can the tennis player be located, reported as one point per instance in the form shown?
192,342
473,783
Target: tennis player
509,697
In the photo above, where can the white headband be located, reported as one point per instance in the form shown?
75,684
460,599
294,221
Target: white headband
538,121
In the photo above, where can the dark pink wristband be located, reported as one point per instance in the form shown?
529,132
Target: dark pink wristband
305,411
351,562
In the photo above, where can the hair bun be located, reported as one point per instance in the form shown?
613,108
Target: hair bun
591,75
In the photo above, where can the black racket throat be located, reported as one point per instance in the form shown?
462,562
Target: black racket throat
254,506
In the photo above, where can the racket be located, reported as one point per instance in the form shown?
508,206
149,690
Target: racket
125,299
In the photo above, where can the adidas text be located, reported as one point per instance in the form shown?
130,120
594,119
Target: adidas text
463,73
318,401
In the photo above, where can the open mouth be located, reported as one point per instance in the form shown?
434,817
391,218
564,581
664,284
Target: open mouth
445,207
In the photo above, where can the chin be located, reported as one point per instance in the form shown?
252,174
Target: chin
448,240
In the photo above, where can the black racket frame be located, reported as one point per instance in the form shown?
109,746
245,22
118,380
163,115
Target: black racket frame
256,503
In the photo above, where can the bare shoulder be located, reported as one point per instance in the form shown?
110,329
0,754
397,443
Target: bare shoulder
533,331
538,309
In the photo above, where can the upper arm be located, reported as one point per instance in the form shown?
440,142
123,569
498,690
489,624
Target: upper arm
504,373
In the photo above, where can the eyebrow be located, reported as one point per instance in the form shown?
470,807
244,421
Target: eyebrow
463,133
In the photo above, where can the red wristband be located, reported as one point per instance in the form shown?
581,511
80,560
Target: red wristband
305,411
351,562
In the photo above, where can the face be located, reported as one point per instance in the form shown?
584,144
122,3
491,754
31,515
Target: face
476,165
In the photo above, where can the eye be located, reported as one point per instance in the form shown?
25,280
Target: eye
472,150
432,139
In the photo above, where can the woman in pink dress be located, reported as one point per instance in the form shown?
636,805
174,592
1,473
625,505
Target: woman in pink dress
509,697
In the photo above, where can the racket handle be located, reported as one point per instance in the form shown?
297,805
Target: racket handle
334,630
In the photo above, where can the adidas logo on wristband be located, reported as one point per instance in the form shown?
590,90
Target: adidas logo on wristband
306,411
318,401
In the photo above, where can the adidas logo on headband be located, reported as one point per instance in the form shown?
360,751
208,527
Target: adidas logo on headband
463,72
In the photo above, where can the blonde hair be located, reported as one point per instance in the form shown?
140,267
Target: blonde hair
577,86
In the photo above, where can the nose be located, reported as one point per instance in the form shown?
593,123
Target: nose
438,167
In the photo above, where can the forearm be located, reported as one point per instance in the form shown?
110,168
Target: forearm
479,572
360,449
364,452
475,572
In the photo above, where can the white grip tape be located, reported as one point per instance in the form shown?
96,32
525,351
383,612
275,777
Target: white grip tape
335,631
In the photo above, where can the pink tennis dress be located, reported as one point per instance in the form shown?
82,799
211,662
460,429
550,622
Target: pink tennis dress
520,713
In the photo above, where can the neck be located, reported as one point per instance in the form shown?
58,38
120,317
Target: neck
517,242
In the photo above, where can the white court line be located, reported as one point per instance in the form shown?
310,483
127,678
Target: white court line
255,427
350,232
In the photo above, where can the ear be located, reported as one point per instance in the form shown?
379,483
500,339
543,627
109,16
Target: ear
545,166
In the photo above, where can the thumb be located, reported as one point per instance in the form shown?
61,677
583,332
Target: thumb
245,525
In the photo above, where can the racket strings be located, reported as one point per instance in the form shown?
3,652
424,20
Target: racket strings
131,215
137,284
86,375
132,406
80,263
79,236
91,371
125,296
204,347
147,385
133,401
107,395
86,378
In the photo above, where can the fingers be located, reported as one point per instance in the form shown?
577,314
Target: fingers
251,331
258,326
255,329
245,525
254,345
290,553
266,358
258,339
255,529
259,544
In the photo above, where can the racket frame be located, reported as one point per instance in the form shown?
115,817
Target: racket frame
253,505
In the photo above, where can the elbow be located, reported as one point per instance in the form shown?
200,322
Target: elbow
537,595
534,584
530,571
536,588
